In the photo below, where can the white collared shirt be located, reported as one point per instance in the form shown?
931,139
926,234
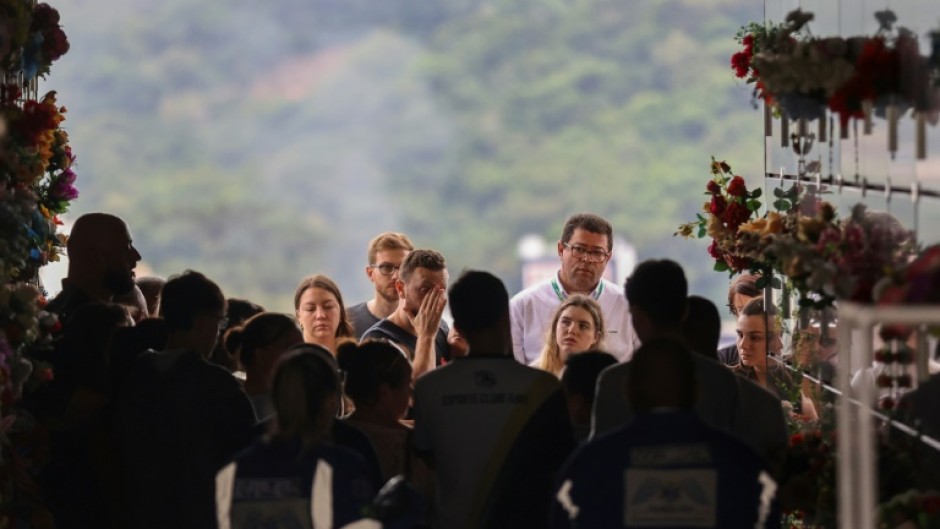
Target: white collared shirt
531,313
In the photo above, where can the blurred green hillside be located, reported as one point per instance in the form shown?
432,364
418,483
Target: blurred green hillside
259,142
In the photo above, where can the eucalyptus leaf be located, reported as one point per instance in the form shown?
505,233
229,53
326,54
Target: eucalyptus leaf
782,205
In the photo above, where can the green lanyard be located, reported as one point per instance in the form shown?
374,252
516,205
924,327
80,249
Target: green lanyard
562,294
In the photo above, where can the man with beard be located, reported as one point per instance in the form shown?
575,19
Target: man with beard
102,259
386,253
416,324
584,250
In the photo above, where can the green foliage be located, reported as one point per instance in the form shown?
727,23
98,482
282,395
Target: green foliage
261,142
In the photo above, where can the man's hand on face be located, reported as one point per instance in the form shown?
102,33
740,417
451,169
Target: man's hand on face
428,318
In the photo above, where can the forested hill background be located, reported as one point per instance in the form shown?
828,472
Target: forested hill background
259,142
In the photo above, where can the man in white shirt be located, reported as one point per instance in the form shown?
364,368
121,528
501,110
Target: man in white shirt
584,250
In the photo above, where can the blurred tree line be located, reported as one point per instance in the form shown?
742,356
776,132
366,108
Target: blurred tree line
259,142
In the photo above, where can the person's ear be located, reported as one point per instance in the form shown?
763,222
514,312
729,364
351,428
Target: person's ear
400,287
369,271
561,248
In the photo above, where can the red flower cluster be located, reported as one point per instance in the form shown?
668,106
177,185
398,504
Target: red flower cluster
37,118
46,22
732,210
741,61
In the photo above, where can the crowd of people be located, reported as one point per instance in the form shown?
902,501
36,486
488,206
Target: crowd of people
575,403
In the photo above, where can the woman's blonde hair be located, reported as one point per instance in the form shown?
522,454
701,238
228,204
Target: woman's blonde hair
550,359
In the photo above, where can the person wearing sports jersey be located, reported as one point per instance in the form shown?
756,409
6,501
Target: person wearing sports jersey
495,431
667,467
293,477
584,250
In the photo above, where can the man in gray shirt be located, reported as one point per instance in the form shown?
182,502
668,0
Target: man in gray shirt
386,253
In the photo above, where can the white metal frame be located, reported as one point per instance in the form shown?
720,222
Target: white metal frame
857,463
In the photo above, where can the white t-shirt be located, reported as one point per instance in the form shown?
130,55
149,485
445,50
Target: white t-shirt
531,312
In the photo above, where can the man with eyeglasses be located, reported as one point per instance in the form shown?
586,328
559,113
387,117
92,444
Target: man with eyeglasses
386,253
584,250
416,325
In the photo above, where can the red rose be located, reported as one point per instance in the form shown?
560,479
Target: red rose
46,374
741,63
883,381
736,187
796,439
55,44
718,205
748,41
735,215
713,187
714,251
44,16
737,264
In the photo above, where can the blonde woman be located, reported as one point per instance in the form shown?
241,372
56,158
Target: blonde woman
577,326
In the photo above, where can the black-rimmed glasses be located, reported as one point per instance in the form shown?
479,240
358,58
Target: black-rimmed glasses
385,269
592,256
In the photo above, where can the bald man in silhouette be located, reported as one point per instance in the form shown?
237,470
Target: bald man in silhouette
102,259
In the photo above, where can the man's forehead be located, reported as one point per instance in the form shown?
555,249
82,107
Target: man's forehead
391,254
422,273
588,238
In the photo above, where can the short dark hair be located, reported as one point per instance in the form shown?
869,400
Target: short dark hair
745,285
658,287
581,372
370,364
702,327
421,258
662,374
186,296
477,301
589,222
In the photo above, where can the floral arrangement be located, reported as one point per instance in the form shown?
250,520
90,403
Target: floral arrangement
803,75
36,170
31,38
808,493
827,258
823,257
36,184
730,205
913,509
